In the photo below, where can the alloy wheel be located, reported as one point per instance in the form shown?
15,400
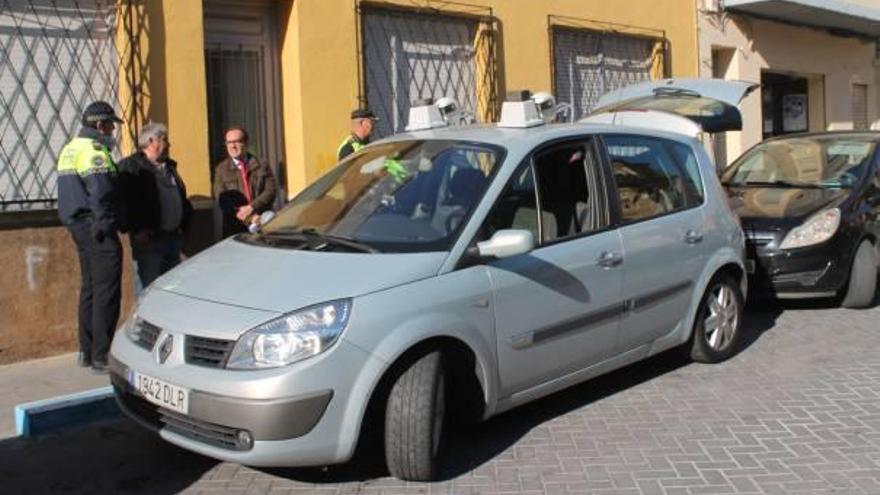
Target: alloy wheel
722,318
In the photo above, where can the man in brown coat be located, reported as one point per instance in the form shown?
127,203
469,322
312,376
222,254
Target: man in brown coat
244,187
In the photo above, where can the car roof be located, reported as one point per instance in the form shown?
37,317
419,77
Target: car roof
864,134
527,138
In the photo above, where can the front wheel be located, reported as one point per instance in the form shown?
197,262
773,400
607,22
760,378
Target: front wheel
414,419
862,278
718,322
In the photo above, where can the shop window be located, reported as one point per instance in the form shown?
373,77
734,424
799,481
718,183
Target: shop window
785,104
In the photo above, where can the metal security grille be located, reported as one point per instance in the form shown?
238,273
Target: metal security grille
230,75
408,55
860,106
588,63
56,56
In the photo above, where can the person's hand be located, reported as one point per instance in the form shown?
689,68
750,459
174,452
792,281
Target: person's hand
142,236
244,212
255,219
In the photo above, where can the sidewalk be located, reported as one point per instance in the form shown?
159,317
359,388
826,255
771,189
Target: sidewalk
41,379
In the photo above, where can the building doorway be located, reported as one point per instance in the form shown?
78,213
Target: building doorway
785,104
243,78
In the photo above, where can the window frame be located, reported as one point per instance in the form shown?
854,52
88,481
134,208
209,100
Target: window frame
615,206
528,162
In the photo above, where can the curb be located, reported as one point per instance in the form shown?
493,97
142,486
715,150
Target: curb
65,411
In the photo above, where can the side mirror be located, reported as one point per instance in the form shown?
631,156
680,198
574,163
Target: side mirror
507,243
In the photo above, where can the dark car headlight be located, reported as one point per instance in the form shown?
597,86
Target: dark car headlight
817,229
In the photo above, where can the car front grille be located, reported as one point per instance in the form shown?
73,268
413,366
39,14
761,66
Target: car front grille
760,239
224,437
210,353
147,334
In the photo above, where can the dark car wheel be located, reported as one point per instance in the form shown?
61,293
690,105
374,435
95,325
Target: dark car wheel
718,321
414,420
862,284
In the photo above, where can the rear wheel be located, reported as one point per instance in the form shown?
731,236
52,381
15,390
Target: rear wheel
862,284
414,420
718,322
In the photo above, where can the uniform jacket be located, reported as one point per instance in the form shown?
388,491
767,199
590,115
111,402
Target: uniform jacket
351,144
140,193
87,182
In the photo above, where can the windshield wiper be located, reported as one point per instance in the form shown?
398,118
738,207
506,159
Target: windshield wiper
316,240
773,183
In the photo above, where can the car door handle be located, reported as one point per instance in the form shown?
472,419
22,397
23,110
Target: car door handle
693,237
609,259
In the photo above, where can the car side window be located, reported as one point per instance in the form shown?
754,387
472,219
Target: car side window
554,196
517,208
654,176
566,176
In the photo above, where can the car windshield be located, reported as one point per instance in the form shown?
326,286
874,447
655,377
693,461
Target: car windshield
406,196
809,161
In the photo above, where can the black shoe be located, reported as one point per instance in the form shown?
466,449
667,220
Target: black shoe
100,367
83,360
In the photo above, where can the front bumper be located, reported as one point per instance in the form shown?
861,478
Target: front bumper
224,422
812,271
305,414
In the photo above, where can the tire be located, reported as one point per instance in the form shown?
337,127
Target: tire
718,323
862,285
414,420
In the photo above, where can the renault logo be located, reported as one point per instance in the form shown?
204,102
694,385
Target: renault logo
165,349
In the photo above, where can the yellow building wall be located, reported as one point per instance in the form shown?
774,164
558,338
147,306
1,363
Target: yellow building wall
162,66
319,67
319,60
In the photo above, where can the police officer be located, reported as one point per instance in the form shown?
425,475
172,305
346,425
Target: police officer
87,206
362,122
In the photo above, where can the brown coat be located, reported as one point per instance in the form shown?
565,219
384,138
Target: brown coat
229,192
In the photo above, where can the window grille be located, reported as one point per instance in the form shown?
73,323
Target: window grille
411,54
591,59
56,56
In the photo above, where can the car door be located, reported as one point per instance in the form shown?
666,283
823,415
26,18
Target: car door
557,308
658,195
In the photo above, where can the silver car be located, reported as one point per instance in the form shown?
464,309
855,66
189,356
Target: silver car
449,272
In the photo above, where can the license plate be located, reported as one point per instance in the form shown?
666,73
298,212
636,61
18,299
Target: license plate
161,393
750,266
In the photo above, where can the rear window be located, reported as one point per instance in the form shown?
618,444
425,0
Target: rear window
654,176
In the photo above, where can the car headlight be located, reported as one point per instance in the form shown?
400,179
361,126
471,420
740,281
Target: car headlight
292,337
818,228
133,327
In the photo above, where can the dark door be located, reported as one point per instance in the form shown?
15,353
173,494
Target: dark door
243,77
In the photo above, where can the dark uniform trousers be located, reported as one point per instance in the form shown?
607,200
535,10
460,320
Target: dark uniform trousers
99,298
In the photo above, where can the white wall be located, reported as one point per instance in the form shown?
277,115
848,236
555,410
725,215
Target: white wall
831,63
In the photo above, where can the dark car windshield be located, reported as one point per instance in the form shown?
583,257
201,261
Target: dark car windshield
809,161
407,196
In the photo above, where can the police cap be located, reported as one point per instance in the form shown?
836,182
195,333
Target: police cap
363,113
99,111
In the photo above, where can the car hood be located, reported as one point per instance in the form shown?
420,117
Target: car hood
762,204
282,280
